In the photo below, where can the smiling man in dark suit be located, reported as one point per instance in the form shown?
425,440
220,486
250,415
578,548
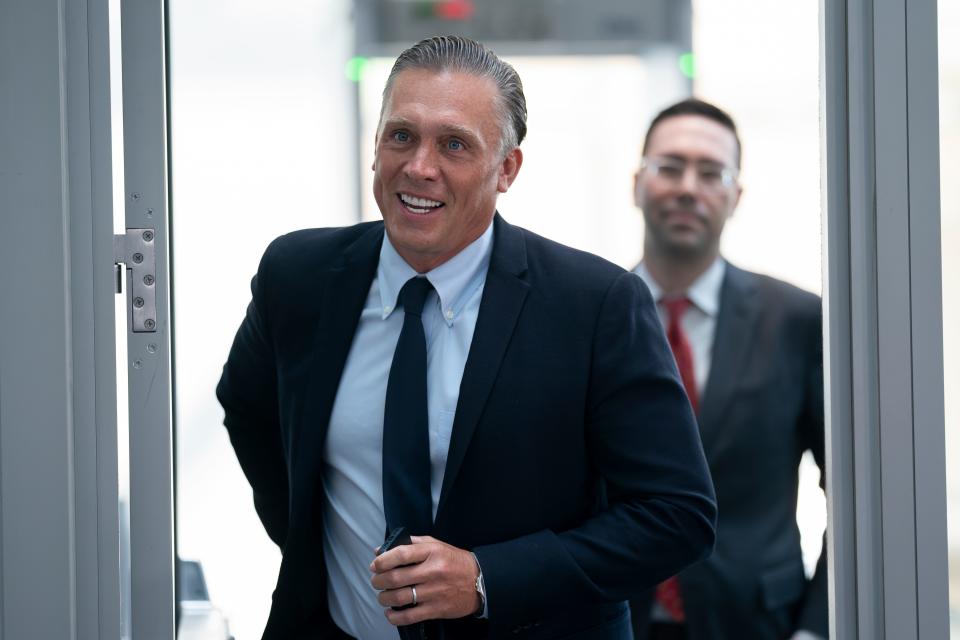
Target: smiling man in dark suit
509,401
749,353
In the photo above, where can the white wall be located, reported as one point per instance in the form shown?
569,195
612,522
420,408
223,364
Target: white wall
261,122
760,61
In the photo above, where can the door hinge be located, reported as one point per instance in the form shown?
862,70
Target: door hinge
136,250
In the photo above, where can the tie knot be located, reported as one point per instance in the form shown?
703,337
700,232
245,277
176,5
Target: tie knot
675,306
414,294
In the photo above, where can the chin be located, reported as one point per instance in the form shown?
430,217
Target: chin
416,240
687,249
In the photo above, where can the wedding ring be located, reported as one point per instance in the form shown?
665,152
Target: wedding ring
414,589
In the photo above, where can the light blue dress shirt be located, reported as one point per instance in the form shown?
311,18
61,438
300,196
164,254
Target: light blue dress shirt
353,518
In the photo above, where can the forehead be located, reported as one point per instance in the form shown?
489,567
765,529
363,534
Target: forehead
425,97
693,137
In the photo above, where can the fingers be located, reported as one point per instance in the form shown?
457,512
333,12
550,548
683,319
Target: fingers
413,539
397,597
397,578
413,615
403,555
444,577
422,539
426,608
403,596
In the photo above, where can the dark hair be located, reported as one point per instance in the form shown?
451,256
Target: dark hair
695,107
456,53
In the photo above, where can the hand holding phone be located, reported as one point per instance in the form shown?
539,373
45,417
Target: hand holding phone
394,539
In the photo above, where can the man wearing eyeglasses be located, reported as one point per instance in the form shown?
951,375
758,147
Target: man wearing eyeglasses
749,351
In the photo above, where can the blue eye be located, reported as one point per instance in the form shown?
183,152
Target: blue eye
400,136
455,145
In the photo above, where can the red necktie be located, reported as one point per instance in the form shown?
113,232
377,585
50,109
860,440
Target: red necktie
680,345
668,593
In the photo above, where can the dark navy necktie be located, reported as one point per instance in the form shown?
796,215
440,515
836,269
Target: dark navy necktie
406,439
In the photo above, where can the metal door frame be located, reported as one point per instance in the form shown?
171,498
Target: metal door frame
887,527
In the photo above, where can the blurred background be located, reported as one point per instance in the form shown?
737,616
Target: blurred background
273,108
949,70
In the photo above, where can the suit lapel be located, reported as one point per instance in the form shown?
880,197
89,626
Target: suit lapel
732,342
503,295
345,288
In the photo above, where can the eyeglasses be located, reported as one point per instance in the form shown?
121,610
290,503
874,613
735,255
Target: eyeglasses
710,175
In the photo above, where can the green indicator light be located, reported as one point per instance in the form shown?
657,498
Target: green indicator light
424,8
687,66
354,68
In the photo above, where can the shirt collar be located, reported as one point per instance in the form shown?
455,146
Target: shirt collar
704,293
454,280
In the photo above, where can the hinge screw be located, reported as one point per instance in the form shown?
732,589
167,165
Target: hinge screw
138,302
148,280
148,236
149,323
138,258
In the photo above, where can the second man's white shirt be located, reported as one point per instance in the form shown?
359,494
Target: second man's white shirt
700,319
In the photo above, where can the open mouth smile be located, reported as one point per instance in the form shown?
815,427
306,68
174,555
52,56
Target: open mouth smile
419,206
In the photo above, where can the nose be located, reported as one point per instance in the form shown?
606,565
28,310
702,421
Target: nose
689,180
422,165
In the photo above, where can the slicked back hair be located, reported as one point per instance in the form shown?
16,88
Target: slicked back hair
456,53
695,107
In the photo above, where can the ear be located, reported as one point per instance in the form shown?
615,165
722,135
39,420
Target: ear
636,189
376,148
509,169
736,199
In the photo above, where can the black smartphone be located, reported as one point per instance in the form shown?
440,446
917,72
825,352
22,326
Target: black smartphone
394,539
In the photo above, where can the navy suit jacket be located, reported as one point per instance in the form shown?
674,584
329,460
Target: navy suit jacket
762,407
575,471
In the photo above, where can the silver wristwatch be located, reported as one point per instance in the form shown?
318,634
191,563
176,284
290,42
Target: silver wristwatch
481,589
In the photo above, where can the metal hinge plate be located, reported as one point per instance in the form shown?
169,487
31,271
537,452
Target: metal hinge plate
136,249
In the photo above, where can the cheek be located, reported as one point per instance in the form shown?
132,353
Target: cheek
719,216
653,195
654,206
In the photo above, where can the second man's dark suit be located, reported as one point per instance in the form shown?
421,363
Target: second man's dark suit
575,472
762,407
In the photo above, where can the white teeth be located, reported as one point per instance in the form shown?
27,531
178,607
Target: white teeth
420,203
